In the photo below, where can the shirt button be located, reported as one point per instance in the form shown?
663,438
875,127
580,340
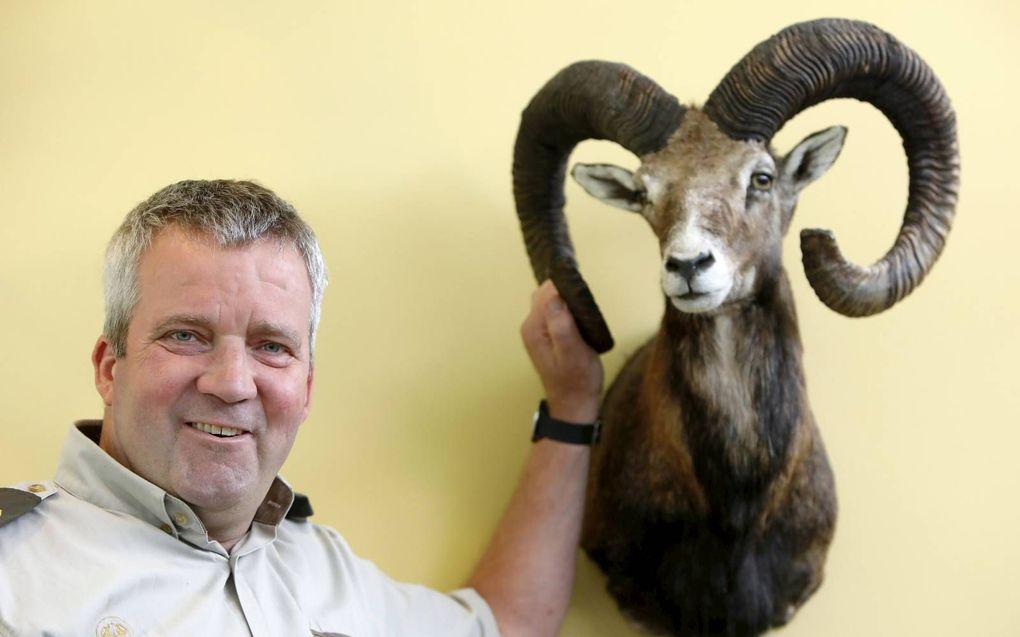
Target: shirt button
180,519
36,488
166,528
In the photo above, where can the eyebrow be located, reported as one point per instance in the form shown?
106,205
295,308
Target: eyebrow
192,320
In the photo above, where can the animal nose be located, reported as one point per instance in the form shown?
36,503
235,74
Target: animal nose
687,268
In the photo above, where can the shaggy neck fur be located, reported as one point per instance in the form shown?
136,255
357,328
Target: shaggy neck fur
738,375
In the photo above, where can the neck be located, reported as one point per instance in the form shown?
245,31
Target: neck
737,376
226,527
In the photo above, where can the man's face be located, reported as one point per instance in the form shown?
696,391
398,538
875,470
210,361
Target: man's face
216,377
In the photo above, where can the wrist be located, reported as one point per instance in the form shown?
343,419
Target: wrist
580,411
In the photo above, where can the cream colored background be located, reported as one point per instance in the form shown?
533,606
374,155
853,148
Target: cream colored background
390,125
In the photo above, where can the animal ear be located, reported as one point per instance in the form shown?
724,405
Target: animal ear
610,184
813,157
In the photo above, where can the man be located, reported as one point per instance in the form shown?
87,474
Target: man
168,517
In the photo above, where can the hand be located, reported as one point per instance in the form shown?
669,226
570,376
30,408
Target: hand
569,369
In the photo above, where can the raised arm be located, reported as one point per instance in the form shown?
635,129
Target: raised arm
527,573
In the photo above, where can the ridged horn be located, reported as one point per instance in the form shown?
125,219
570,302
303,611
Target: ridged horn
586,100
810,62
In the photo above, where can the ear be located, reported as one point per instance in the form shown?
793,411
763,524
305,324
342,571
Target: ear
104,363
308,391
813,157
610,184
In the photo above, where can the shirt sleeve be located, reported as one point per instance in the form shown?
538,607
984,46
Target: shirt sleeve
474,602
366,601
411,609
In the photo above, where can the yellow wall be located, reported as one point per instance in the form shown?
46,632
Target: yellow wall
390,125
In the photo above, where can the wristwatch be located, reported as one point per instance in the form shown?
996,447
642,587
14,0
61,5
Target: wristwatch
545,426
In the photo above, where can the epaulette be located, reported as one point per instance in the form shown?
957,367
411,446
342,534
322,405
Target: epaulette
301,509
15,502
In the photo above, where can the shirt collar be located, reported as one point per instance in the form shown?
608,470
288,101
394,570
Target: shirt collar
89,473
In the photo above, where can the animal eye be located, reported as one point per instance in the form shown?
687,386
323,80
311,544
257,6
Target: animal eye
761,181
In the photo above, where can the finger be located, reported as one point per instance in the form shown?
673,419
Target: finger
536,315
544,300
535,333
543,293
562,328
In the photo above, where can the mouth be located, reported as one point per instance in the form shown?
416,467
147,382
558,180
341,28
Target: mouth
216,430
693,302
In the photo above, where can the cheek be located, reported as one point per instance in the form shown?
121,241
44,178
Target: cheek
661,223
754,235
152,384
284,398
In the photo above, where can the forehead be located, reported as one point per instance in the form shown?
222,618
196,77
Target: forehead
699,148
188,271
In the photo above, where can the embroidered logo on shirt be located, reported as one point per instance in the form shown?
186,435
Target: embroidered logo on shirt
112,627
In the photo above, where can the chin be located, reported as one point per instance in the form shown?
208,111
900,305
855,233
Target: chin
216,491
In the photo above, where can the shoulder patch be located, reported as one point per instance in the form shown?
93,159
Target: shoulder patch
14,503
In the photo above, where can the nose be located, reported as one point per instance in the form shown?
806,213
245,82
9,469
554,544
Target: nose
687,268
229,376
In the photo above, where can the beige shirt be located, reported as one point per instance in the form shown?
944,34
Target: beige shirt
110,554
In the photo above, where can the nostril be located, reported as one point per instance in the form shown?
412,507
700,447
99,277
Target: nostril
704,261
673,264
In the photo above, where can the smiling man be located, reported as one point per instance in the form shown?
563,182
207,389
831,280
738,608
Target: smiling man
168,517
215,375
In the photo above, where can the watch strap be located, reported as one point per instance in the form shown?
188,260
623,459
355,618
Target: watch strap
545,426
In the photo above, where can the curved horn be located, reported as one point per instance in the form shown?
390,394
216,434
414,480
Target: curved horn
586,100
814,61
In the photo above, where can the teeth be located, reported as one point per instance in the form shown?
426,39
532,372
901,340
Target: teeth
216,430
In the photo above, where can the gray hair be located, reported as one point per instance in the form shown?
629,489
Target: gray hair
234,213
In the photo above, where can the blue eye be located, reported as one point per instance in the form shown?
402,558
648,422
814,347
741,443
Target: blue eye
273,348
182,337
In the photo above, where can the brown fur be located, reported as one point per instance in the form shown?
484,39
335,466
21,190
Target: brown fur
711,503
